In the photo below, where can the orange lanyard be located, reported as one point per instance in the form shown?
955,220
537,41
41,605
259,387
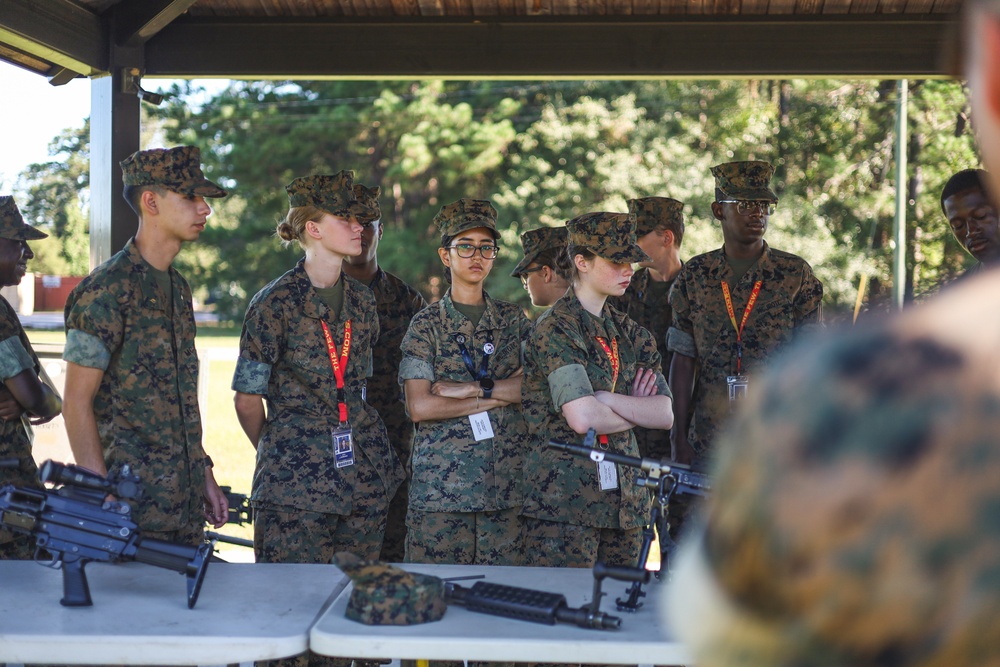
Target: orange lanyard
339,364
616,364
746,315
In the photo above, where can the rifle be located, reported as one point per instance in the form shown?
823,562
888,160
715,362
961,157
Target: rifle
240,513
74,523
666,480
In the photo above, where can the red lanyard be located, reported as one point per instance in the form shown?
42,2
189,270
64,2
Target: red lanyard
339,364
616,364
746,315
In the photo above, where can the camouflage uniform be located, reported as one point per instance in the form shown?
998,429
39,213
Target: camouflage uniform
465,495
570,521
396,303
16,356
147,405
536,241
789,301
853,520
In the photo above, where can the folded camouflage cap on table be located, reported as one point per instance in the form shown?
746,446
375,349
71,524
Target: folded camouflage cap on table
458,216
536,241
609,235
745,181
177,169
368,197
13,226
855,513
388,595
651,213
332,193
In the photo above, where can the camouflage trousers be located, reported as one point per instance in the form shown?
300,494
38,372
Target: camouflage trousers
552,544
394,543
16,546
464,538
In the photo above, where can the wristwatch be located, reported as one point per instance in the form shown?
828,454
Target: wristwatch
486,384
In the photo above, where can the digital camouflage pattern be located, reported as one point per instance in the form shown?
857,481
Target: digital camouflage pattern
283,356
645,302
853,519
176,169
451,472
333,193
16,356
147,404
552,544
536,241
648,214
464,214
396,303
369,198
465,538
388,595
790,303
561,487
609,235
13,226
746,181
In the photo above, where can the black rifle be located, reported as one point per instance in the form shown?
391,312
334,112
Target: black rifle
526,604
240,513
74,523
666,480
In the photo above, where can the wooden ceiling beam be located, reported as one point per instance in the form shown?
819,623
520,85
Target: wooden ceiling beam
136,21
60,32
878,46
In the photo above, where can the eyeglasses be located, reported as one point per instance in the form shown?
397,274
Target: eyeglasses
465,250
524,275
747,207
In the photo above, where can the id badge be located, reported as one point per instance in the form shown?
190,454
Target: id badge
737,389
481,427
607,473
343,446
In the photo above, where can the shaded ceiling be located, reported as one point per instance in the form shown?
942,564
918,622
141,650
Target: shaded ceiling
62,39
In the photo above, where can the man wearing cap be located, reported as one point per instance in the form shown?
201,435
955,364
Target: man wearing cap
589,366
132,369
545,269
659,230
25,399
732,309
972,217
396,303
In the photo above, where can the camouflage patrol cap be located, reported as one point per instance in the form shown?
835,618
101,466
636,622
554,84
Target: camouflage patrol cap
368,197
651,213
387,595
464,214
177,169
537,241
748,181
855,512
13,226
609,235
333,193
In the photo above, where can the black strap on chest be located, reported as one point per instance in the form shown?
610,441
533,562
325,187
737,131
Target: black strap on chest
484,363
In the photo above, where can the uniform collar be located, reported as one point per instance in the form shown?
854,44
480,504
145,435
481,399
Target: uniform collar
312,305
492,318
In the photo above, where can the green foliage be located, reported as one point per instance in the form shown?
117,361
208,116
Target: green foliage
545,152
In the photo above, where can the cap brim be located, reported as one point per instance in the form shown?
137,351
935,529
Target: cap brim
205,188
623,254
24,233
476,224
356,210
524,264
753,194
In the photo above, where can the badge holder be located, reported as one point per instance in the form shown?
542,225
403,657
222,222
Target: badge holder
343,445
737,389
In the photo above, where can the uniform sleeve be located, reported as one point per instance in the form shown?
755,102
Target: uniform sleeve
418,350
680,336
562,357
14,359
808,303
95,328
648,356
376,332
261,344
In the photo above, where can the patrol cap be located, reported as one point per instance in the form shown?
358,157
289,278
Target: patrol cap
747,181
536,241
651,213
464,214
177,169
333,193
13,226
387,595
855,504
368,197
609,235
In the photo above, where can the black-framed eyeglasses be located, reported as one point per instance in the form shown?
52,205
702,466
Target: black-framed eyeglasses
523,275
744,207
467,250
